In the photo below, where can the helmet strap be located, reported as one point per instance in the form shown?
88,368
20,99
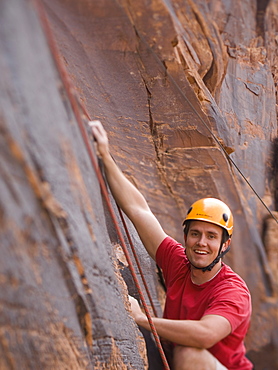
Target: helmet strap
216,260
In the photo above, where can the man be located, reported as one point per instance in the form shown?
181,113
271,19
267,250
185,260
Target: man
208,306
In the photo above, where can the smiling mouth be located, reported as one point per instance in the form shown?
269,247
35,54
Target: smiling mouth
198,251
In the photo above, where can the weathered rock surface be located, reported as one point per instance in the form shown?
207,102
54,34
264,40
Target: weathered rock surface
166,78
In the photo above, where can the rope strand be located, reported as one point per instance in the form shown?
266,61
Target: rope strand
137,261
75,103
206,125
75,107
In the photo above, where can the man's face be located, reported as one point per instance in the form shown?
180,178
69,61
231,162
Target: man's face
202,243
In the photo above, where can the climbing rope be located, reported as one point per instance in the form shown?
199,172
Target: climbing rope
75,104
207,127
137,261
225,152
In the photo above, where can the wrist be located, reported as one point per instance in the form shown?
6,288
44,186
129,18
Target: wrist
107,159
142,320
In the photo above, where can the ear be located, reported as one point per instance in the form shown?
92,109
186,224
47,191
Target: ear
226,245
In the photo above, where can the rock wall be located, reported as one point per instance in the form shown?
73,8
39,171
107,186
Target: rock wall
62,304
171,81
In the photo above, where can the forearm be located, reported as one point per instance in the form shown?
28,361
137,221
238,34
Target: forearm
127,196
183,332
203,333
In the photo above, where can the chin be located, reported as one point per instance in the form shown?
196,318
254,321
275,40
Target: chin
197,267
195,264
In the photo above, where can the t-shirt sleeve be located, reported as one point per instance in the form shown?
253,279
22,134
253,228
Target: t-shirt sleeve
231,301
170,257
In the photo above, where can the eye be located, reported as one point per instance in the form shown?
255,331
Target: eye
194,233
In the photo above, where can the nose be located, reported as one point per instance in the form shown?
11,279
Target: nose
202,240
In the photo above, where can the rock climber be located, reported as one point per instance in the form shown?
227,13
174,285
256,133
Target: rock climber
208,306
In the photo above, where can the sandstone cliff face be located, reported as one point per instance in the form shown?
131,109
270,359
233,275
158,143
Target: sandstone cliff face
169,80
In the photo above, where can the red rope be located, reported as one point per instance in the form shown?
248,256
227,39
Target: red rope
137,261
129,239
75,107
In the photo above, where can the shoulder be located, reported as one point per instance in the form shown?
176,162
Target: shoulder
232,279
231,289
231,298
168,247
170,256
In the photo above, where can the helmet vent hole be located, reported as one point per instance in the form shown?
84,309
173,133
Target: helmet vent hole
225,217
190,209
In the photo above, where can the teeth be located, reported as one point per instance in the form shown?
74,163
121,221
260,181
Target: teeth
200,252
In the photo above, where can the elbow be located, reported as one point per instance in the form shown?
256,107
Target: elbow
207,341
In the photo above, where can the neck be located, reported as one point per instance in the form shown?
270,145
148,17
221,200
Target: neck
199,277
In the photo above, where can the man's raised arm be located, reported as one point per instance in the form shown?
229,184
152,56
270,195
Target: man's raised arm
127,196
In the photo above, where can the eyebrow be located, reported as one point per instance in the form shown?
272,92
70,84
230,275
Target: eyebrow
209,232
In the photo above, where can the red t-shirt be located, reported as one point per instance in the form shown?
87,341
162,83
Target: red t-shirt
226,295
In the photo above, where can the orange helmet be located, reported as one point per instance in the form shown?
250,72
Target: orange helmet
211,210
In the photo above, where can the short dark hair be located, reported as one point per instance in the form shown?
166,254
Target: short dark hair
186,225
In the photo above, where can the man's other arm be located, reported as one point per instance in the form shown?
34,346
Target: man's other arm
203,333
